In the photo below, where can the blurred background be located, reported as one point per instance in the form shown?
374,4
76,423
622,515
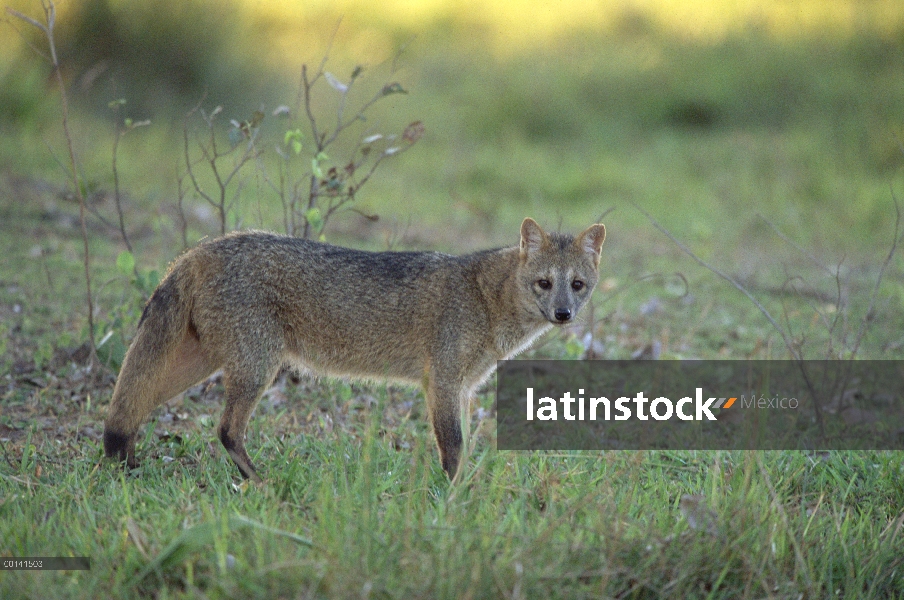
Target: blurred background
726,120
557,110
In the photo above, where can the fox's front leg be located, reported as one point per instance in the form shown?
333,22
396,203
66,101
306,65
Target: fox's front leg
444,405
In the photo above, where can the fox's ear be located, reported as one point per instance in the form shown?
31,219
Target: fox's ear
591,241
532,237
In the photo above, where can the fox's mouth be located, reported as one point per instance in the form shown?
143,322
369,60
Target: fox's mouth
553,321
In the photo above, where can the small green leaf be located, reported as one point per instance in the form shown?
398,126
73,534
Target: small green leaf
315,164
125,262
292,134
293,138
128,123
315,219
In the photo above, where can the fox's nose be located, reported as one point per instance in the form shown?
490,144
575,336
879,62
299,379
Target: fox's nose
563,314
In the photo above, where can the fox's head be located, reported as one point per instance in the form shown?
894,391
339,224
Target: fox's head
558,272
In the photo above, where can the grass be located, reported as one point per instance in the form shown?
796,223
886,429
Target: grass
352,513
724,135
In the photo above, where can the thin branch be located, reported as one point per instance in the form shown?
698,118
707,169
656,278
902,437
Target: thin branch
303,87
602,216
661,276
117,136
50,18
382,93
187,152
183,222
312,120
333,193
724,276
25,39
191,173
794,351
116,195
340,126
94,212
211,154
394,67
836,275
29,20
796,246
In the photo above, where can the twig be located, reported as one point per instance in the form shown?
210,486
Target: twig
25,39
836,275
329,187
642,278
116,196
795,245
211,154
119,132
183,222
724,276
50,18
794,351
304,89
602,216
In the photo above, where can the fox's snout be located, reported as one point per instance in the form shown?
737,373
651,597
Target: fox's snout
563,315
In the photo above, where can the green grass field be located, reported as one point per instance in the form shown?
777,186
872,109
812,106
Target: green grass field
771,148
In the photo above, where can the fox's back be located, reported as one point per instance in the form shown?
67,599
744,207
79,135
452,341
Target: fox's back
341,310
285,264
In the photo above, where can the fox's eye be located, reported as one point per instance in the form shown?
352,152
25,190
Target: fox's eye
577,285
544,284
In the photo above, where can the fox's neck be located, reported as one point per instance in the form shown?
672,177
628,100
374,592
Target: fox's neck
513,326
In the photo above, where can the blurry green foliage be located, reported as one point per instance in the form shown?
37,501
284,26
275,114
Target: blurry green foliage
157,53
706,131
24,99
